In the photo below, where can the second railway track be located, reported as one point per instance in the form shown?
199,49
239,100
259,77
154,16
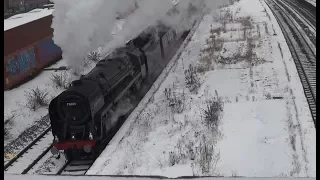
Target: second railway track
31,154
301,52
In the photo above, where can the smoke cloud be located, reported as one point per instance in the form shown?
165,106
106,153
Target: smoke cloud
81,26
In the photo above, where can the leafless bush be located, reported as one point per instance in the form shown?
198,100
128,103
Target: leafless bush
208,157
213,111
192,79
94,56
36,98
173,158
267,95
176,100
60,80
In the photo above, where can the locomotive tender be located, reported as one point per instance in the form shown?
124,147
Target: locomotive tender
79,115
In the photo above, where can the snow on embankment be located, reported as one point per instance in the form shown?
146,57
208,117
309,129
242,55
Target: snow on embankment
65,177
231,105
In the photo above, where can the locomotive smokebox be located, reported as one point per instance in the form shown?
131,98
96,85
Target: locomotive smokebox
87,148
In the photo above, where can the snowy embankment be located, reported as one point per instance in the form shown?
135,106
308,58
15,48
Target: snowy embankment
42,177
20,111
231,105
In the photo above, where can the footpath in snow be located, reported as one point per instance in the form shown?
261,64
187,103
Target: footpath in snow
231,104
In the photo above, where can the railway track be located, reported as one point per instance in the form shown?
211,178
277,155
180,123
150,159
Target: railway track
31,154
304,12
75,167
301,51
306,21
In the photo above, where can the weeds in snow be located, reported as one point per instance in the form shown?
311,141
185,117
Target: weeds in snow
192,80
173,158
36,98
176,100
94,56
60,80
208,157
213,112
267,95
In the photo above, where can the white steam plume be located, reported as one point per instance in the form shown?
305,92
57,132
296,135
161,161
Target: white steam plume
81,26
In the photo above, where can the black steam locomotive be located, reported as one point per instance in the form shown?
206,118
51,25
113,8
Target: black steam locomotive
79,115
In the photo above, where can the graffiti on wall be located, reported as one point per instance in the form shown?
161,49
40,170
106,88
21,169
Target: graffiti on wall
47,50
24,61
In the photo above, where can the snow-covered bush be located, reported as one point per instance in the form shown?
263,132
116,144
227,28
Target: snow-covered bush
192,79
173,158
213,111
94,56
36,98
60,80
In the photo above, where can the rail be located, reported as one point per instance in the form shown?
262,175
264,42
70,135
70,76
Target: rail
306,67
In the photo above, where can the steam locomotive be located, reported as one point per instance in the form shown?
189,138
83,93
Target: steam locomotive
79,115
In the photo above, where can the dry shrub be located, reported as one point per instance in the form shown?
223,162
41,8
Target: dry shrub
176,100
192,80
208,158
36,98
213,112
94,56
60,80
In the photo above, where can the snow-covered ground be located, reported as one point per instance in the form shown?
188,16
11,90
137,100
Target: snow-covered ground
264,126
20,19
39,177
313,2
